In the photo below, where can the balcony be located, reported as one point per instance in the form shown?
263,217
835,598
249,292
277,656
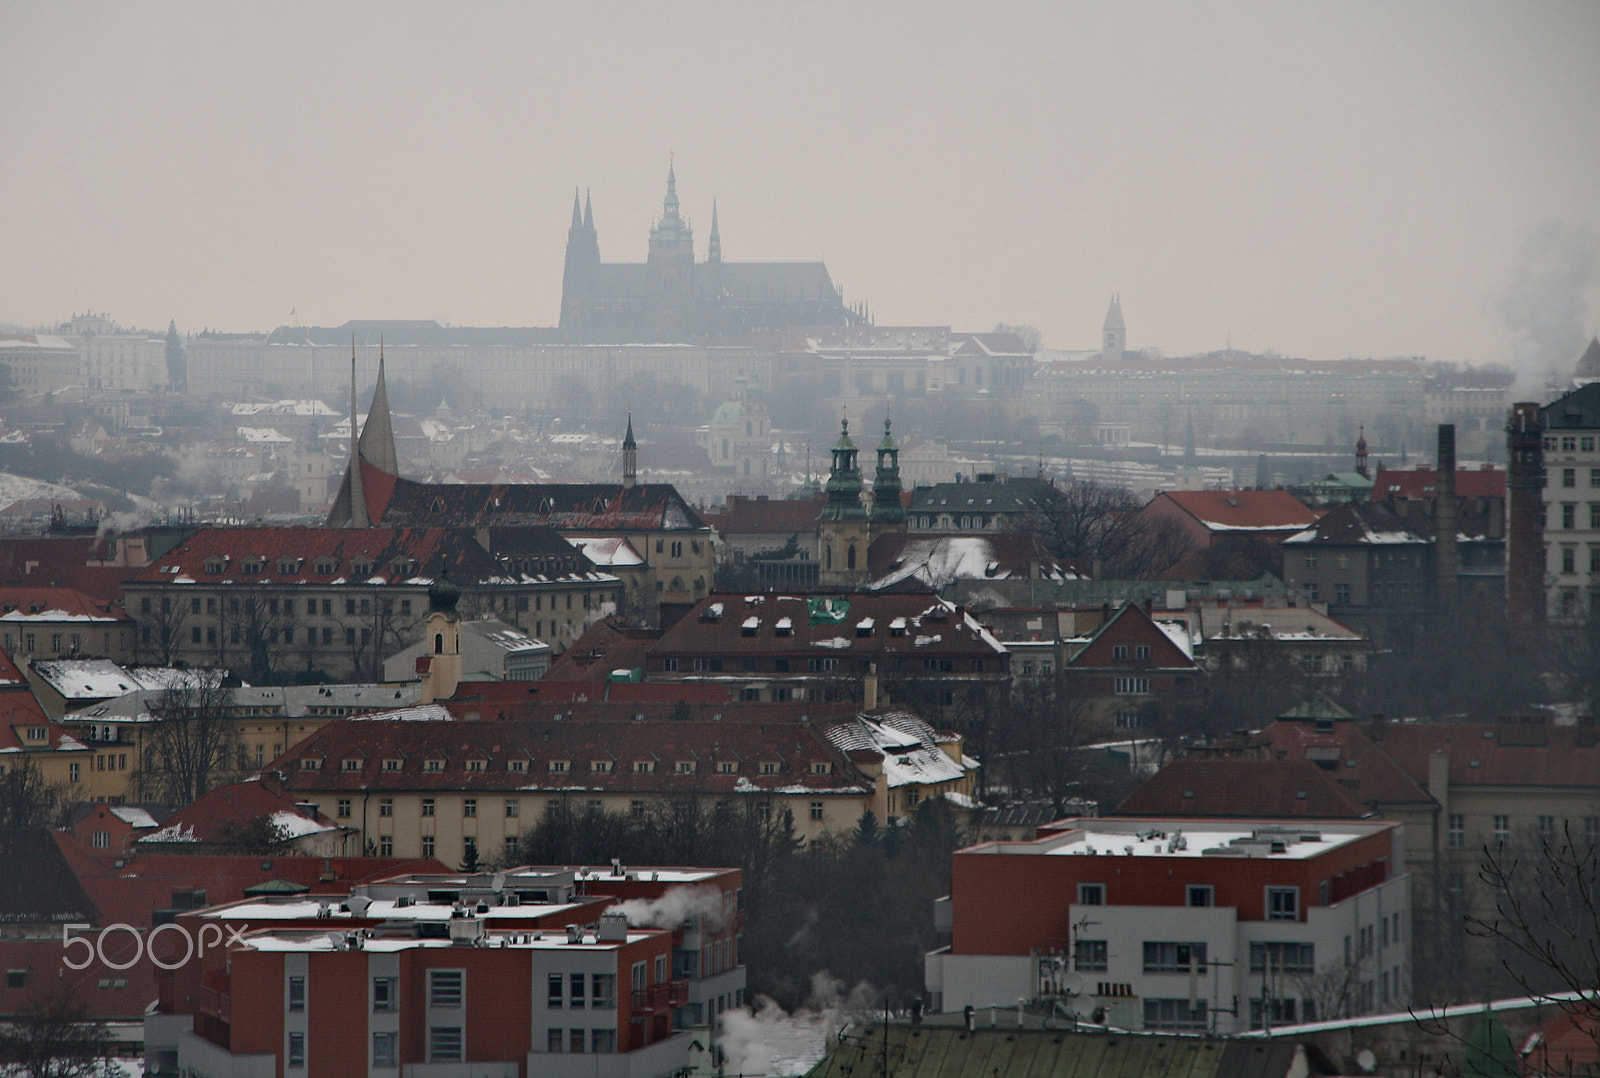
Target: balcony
659,998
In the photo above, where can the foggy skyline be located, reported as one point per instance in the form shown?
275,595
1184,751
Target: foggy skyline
1360,179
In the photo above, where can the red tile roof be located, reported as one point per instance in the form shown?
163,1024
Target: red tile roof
596,507
24,603
607,645
501,694
1254,510
1350,757
1497,754
1234,787
764,516
1424,483
217,815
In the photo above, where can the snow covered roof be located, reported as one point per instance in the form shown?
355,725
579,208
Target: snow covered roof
908,746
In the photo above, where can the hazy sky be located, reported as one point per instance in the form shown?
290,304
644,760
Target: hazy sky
1322,179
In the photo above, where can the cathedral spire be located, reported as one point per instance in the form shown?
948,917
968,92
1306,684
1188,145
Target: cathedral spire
350,507
588,211
669,205
577,213
630,458
714,247
377,436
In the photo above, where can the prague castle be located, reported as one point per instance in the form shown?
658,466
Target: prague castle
671,297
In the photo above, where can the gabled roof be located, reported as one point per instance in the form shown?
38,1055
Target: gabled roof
764,516
607,646
1360,524
19,604
37,883
525,555
1131,626
1243,510
1418,483
1350,758
596,507
218,815
1578,410
1234,787
1019,495
1498,754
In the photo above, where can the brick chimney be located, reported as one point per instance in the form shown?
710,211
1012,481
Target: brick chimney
1446,558
1525,478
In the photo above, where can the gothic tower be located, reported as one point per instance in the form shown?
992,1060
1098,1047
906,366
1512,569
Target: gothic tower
630,457
844,527
1113,336
671,263
583,260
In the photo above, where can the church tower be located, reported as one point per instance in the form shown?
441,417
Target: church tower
440,663
630,458
583,261
844,528
888,512
1361,453
1113,336
671,263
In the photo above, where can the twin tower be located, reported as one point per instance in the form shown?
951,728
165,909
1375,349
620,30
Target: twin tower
847,525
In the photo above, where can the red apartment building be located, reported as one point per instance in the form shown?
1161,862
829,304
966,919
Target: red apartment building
1181,925
533,971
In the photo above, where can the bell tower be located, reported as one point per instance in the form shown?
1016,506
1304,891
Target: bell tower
844,528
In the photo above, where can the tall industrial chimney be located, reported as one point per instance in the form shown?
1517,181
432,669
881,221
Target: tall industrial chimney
1525,478
1446,558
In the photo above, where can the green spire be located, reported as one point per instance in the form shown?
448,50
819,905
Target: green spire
886,487
844,480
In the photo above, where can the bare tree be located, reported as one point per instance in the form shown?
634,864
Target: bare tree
1078,522
54,1038
1034,753
161,630
27,800
194,745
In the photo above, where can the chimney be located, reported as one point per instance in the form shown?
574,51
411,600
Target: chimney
869,688
1446,558
1525,480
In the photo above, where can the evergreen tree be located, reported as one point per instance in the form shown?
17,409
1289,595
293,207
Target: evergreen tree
177,360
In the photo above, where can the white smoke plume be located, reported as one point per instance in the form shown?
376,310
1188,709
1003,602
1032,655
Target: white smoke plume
767,1040
1546,304
674,909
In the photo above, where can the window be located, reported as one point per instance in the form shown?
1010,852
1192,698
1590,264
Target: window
1199,894
385,845
102,840
1569,515
603,1040
427,806
383,1049
603,990
344,808
575,1036
297,1049
1311,559
427,845
1569,477
1456,837
576,994
469,807
1284,957
386,806
553,1042
297,993
1089,956
1341,593
1502,828
513,808
1091,894
1119,651
1283,1012
553,995
1174,1015
1141,651
1174,957
1132,686
816,810
684,767
1547,828
1283,903
1569,559
445,987
444,1044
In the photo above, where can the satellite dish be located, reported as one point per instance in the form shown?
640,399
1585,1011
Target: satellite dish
1366,1061
1072,984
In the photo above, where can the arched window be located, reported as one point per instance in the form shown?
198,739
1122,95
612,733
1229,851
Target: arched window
850,557
827,555
438,643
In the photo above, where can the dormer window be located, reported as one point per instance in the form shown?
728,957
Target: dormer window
684,767
726,767
404,566
643,767
560,767
216,564
251,567
600,766
288,566
784,627
517,766
476,765
361,567
821,767
897,627
326,566
310,763
768,767
352,764
433,765
37,733
391,765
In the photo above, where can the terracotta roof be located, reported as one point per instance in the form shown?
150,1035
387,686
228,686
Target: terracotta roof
765,516
21,604
37,883
215,816
1131,626
391,556
1349,757
1498,754
1424,483
501,694
842,626
1234,787
20,557
1360,523
1254,510
571,755
607,645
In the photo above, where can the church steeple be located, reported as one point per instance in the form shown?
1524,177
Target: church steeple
1361,453
1113,335
588,212
886,488
377,435
577,216
844,480
630,457
714,246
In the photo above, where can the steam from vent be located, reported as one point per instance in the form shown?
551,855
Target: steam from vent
769,1040
1547,302
674,909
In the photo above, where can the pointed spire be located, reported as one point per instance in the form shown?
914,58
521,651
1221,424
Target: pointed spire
887,507
377,436
669,205
577,213
630,457
350,507
588,212
714,248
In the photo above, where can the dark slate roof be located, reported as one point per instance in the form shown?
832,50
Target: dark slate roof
37,883
565,506
768,281
860,625
1578,410
396,556
1360,523
1234,787
1012,496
